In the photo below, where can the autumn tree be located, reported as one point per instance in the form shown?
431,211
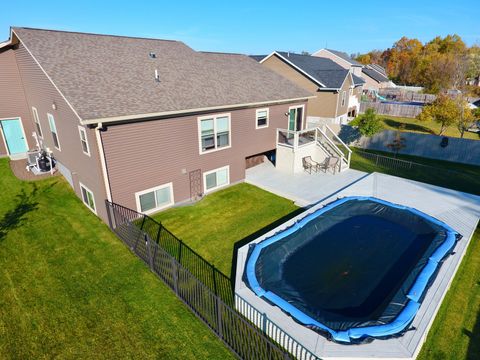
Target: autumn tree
443,110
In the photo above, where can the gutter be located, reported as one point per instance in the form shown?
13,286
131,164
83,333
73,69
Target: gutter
187,111
102,161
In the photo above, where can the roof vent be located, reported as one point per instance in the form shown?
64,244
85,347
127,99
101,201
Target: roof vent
152,55
157,76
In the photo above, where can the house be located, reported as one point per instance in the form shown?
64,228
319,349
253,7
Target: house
336,90
374,75
145,123
342,59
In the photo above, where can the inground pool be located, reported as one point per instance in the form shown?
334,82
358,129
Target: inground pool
354,270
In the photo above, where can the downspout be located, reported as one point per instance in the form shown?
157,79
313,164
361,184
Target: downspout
103,162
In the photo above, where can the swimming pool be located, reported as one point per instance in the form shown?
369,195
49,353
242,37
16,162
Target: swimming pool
353,270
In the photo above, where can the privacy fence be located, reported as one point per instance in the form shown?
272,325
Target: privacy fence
400,110
206,291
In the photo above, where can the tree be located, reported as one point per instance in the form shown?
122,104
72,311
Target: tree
443,111
466,116
368,124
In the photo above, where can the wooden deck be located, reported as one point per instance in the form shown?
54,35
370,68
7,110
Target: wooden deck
459,210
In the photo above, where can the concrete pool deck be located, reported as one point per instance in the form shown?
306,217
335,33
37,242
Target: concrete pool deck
459,210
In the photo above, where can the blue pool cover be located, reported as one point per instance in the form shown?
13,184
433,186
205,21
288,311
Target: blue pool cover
354,270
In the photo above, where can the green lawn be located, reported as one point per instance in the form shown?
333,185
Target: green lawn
447,174
455,333
213,226
69,289
414,125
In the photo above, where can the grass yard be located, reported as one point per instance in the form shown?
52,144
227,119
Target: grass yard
69,289
466,177
215,224
455,333
414,125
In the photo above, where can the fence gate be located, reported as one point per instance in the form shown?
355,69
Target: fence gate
195,184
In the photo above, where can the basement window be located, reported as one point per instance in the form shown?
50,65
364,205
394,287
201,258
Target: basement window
155,199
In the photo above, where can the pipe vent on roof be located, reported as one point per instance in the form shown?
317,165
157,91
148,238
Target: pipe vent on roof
157,76
152,55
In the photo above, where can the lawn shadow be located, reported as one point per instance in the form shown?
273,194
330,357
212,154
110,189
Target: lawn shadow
473,351
13,218
257,234
407,126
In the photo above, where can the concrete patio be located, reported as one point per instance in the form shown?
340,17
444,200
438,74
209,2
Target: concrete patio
303,188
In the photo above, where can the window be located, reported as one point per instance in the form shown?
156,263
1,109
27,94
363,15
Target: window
261,118
37,122
87,197
83,140
344,95
53,130
155,199
214,132
216,178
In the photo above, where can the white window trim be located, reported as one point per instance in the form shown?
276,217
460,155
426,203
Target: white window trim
206,191
137,198
36,120
93,197
344,98
80,130
214,117
59,148
303,115
256,118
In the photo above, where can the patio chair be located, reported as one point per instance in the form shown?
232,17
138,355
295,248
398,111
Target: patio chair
309,164
330,162
32,157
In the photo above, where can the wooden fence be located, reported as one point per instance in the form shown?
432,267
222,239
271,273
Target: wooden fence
399,110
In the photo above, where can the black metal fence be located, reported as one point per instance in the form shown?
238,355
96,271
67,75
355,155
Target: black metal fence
205,290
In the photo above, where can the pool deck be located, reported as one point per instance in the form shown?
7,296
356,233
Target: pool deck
459,210
304,189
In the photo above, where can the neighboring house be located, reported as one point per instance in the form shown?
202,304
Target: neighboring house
145,123
342,59
374,75
336,90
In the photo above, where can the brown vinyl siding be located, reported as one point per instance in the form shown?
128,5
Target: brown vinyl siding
143,155
12,98
325,102
41,94
342,110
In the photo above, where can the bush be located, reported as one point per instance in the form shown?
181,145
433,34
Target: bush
369,123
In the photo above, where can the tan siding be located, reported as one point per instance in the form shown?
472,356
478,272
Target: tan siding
147,154
342,110
327,54
325,103
12,97
41,94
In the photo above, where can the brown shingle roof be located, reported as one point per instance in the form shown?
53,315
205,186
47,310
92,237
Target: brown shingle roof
106,76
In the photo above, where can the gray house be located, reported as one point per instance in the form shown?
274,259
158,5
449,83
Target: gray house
145,123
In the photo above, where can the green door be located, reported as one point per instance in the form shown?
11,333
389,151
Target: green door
14,137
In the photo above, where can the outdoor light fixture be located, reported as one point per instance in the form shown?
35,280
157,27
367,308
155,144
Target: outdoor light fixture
287,113
54,106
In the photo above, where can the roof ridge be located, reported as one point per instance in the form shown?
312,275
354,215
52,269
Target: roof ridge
94,34
221,52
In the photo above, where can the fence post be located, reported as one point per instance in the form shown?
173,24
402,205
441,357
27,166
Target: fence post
264,323
108,205
149,249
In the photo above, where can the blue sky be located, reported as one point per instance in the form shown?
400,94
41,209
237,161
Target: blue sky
255,27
